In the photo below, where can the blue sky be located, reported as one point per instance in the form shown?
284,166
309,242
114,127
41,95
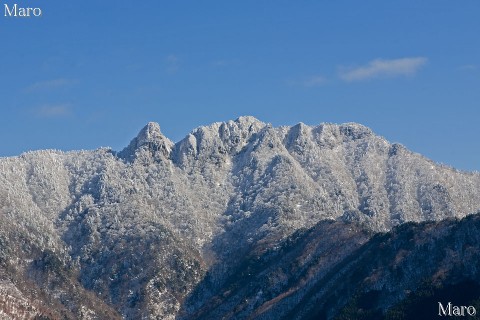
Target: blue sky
93,73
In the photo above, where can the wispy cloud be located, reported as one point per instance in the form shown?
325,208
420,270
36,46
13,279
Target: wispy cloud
173,63
314,81
383,68
221,63
309,82
469,67
50,84
53,111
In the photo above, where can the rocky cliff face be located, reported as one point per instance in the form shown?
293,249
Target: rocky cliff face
146,229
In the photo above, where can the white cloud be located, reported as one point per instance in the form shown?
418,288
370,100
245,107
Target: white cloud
383,68
469,67
173,63
49,84
221,63
314,81
53,111
309,82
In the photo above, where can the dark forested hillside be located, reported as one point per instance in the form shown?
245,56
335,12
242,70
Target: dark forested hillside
338,270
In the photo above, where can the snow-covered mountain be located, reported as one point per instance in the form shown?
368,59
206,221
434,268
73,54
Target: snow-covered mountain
155,230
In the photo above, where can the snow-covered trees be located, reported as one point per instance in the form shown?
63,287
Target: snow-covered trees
147,217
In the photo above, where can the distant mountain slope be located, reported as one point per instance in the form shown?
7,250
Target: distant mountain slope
142,227
405,273
335,270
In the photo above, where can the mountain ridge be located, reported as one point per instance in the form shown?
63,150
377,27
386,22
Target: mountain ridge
141,228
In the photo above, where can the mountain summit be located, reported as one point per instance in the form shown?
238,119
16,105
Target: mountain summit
161,230
149,134
149,138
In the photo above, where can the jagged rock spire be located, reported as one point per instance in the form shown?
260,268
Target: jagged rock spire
150,138
149,134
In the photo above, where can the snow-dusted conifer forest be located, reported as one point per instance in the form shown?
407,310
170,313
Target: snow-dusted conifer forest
157,230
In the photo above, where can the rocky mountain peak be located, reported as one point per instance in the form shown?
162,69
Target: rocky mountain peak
150,138
355,131
247,121
150,133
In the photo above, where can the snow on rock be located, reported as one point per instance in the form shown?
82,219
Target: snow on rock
149,138
156,216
